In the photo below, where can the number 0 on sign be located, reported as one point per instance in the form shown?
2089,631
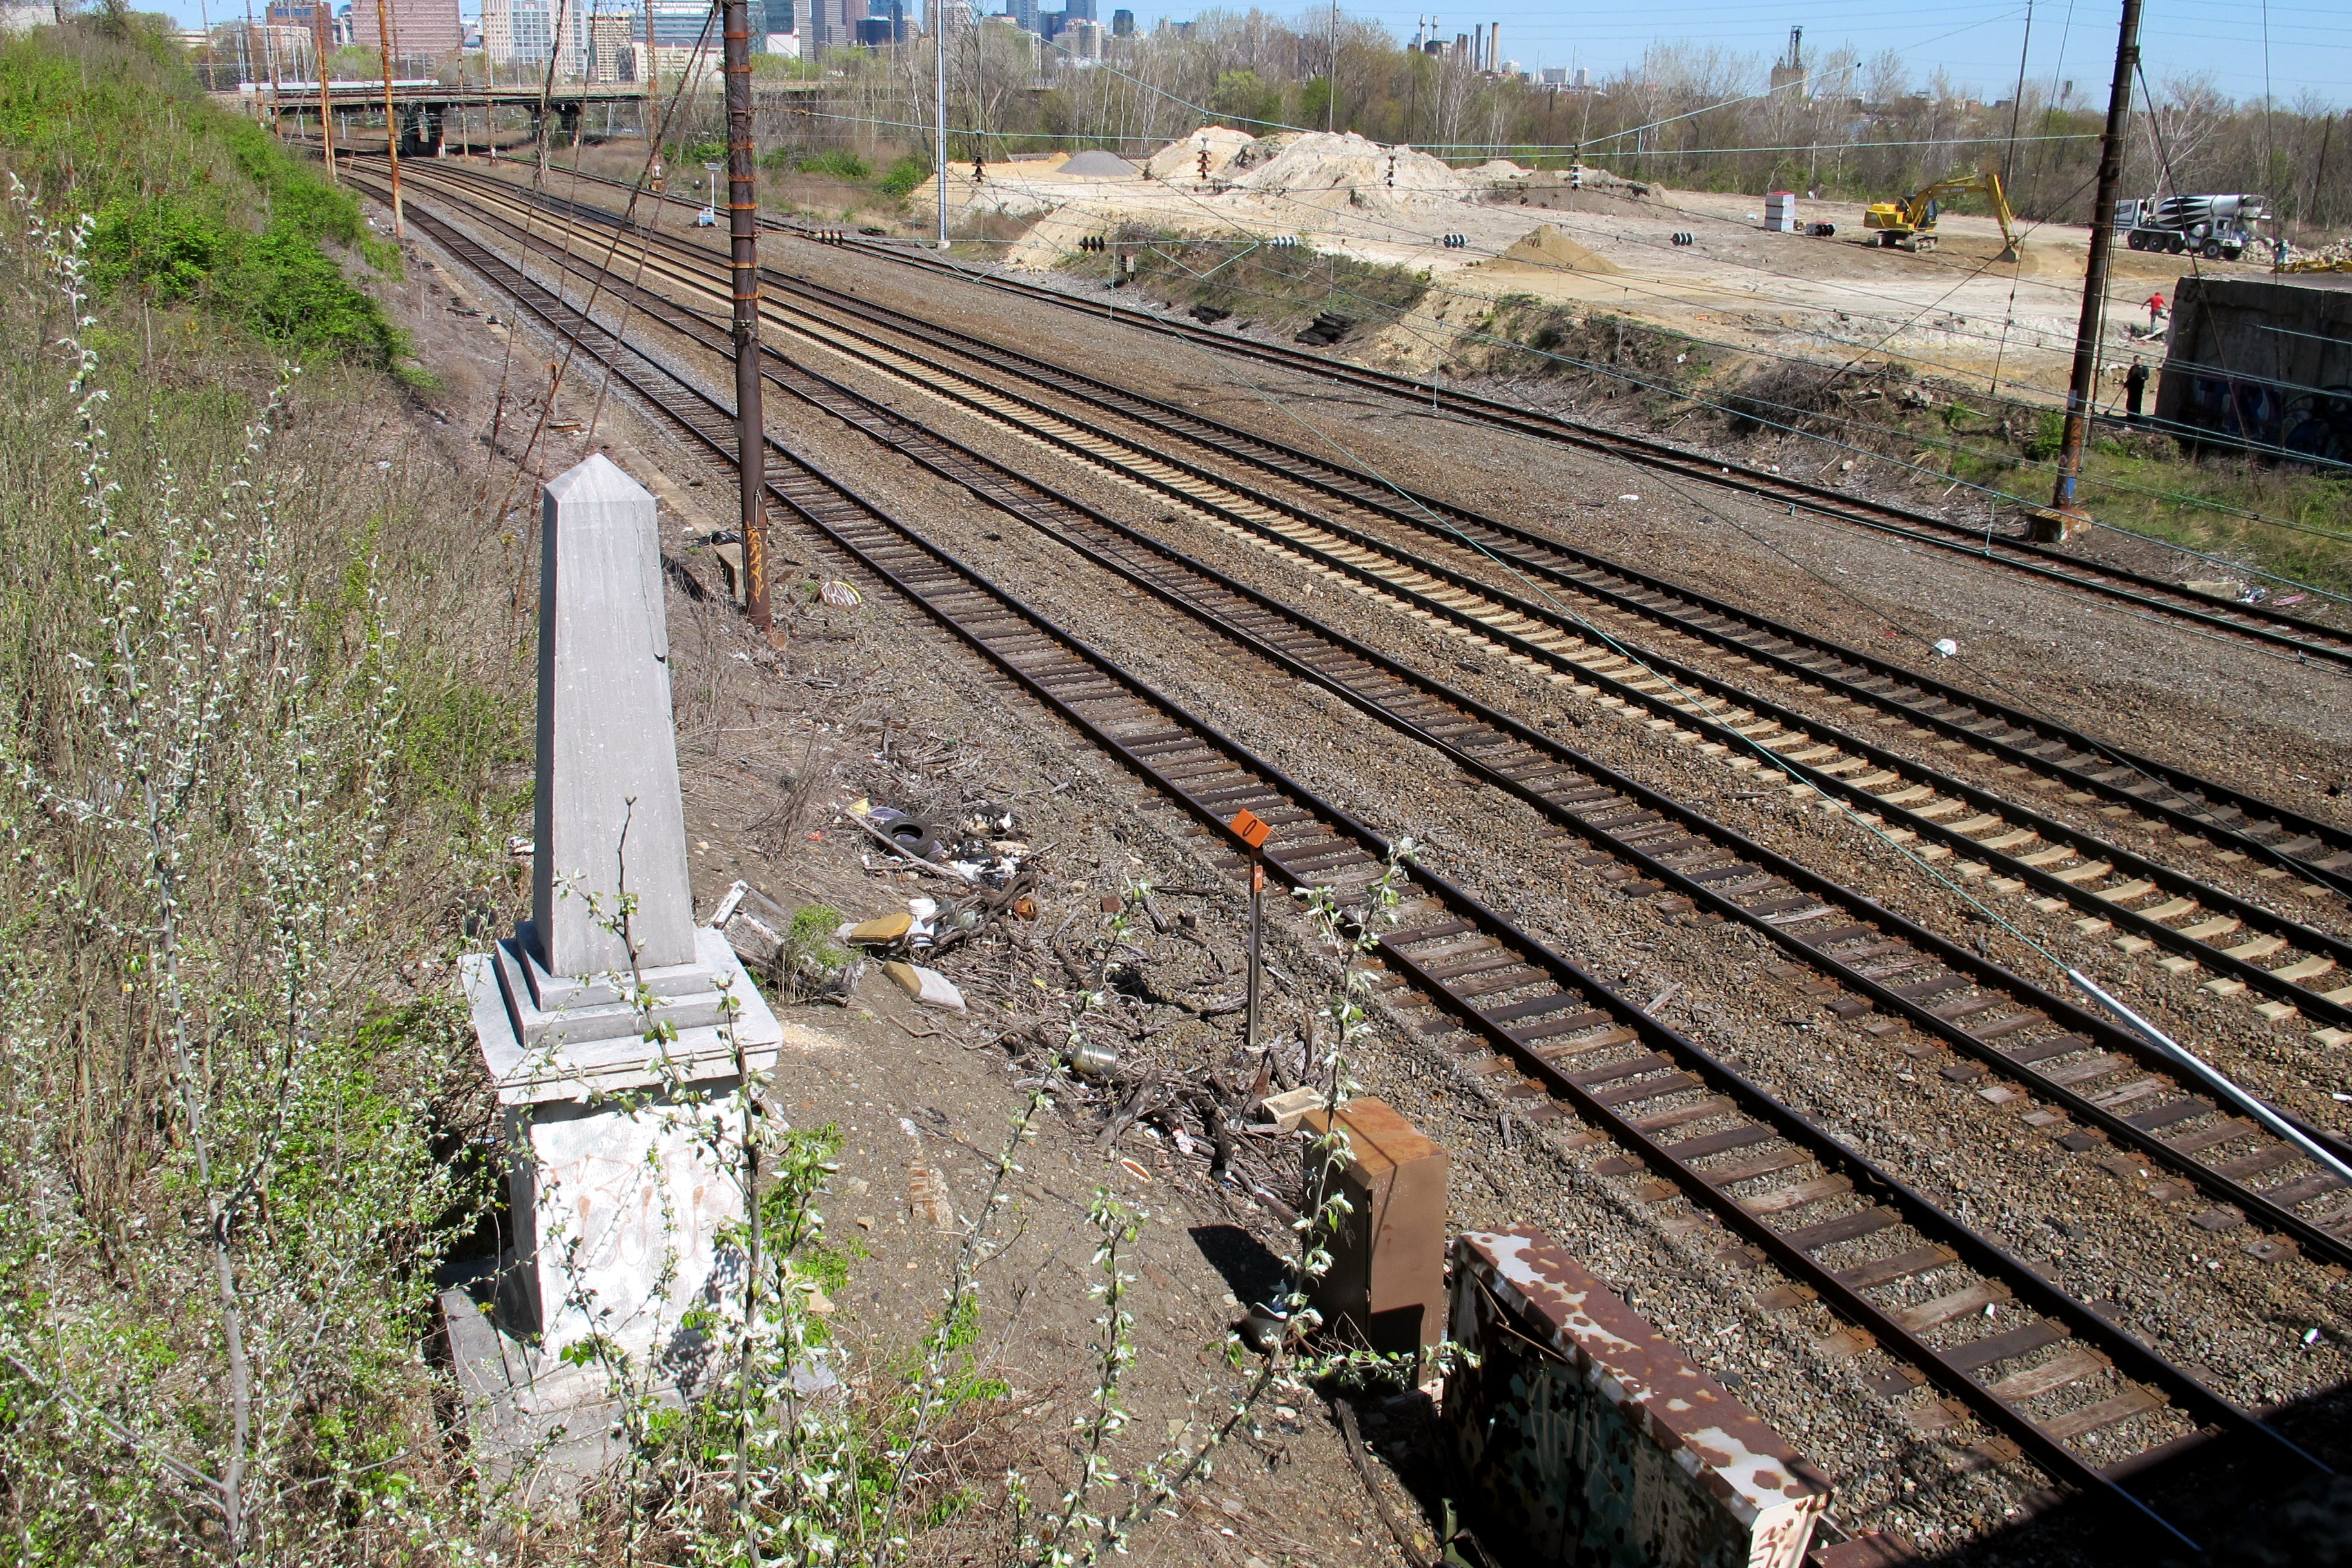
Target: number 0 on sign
1249,829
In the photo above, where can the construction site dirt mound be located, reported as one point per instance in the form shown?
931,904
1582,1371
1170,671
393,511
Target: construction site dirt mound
1324,161
1181,159
1546,248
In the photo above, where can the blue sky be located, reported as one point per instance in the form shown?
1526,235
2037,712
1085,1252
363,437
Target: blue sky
2310,45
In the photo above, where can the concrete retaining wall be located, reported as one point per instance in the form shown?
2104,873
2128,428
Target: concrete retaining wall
2263,361
1584,1438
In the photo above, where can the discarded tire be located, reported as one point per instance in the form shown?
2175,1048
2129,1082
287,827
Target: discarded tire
908,834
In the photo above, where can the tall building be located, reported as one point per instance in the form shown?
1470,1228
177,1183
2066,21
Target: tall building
613,47
1078,10
516,32
422,31
1083,40
678,24
1122,24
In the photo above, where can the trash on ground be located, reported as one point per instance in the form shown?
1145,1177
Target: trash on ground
1092,1060
796,953
879,930
1289,1109
2215,587
1946,646
928,987
839,594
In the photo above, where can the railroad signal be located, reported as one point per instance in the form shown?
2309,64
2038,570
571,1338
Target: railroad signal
1253,830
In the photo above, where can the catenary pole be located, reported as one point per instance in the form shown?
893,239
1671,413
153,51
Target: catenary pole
940,108
326,101
2066,515
744,244
390,124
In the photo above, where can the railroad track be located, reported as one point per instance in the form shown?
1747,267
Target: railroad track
2276,963
2067,1058
2096,1410
2272,628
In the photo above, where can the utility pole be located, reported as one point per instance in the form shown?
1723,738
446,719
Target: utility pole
940,105
744,244
1331,97
2066,517
2017,99
326,101
390,126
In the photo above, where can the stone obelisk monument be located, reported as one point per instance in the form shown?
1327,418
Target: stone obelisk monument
610,1021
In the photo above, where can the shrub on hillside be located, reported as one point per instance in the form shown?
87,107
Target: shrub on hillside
193,206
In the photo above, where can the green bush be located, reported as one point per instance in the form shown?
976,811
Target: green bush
2049,435
191,205
840,162
904,176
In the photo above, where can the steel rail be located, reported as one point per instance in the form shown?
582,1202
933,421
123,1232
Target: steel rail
1019,494
2309,641
2197,804
979,614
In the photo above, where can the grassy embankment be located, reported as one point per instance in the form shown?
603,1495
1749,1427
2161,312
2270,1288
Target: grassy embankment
262,733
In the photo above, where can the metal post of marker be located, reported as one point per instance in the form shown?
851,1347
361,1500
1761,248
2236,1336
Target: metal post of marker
2227,1088
1250,830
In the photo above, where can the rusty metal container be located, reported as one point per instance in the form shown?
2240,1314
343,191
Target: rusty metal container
1584,1437
1386,1284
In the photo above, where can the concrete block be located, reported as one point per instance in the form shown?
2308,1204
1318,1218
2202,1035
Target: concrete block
1586,1437
607,804
622,1222
1386,1284
597,1045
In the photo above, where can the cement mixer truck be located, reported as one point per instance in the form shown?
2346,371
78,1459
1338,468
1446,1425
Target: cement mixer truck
2213,227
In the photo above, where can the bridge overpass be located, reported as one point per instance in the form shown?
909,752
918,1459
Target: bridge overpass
428,110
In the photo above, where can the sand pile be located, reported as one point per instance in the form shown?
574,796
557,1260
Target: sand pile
1493,171
1099,165
1545,249
1320,161
1181,159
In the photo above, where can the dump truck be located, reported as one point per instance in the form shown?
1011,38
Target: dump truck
2212,227
1908,223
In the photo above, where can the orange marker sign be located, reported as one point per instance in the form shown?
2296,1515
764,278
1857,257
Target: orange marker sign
1252,832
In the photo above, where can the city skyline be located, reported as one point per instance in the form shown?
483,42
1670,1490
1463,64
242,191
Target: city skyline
1976,44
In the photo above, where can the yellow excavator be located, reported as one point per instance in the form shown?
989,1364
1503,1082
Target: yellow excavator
1908,223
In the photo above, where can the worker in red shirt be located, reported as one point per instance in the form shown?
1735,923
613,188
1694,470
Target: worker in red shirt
2156,309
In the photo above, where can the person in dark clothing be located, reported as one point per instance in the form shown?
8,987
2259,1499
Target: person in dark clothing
2135,388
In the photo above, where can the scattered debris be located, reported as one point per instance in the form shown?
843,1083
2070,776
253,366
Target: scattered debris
928,987
839,594
798,954
927,1197
1325,330
1286,1110
1948,648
